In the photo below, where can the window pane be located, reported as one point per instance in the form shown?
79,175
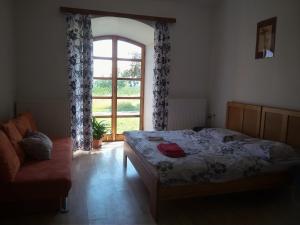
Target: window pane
101,107
107,121
102,68
102,88
127,124
129,88
129,51
129,69
128,107
102,48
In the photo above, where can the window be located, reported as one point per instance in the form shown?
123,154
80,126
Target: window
118,84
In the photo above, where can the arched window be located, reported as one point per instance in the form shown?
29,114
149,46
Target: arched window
118,91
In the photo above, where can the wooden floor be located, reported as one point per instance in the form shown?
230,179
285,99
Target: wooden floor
103,194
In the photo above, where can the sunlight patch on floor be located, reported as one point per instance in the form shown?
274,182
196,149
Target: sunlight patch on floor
108,146
80,153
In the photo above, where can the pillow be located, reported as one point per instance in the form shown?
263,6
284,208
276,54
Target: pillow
23,125
222,135
9,161
15,137
37,146
32,123
256,147
272,150
282,152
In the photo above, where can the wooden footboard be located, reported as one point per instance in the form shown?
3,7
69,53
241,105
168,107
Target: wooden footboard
148,175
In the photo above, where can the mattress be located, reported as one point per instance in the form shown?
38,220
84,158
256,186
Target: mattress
208,159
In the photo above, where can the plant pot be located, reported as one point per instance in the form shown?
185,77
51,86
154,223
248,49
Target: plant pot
97,143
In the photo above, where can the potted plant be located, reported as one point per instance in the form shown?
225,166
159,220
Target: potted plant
99,129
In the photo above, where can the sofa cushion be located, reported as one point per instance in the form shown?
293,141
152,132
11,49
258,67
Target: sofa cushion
23,125
37,146
9,161
32,122
42,179
15,137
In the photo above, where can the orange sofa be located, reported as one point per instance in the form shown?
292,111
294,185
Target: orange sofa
36,185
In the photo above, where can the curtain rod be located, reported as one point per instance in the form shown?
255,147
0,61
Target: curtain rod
115,14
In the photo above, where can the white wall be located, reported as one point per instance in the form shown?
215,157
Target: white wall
148,90
7,64
132,29
41,50
236,74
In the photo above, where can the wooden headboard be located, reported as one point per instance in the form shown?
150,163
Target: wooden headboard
281,125
265,122
244,118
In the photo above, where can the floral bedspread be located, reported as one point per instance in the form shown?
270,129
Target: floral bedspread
207,159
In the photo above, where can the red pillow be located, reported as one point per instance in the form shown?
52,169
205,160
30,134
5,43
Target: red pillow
23,125
32,122
15,137
9,161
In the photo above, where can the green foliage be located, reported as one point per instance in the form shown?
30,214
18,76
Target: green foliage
102,88
128,106
127,124
102,106
99,128
125,88
134,71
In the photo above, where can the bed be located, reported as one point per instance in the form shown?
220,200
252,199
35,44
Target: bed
255,121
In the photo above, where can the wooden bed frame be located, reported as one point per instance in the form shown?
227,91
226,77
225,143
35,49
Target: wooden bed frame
256,121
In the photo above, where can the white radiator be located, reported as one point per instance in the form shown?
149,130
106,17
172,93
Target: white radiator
186,113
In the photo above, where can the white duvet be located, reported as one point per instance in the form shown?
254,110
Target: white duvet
209,159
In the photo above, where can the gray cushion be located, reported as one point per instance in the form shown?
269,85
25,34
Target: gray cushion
37,146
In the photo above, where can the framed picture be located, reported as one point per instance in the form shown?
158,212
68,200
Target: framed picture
265,38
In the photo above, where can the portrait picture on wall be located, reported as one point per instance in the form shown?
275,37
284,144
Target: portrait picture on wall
265,38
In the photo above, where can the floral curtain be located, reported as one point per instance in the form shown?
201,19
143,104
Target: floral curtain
80,70
162,49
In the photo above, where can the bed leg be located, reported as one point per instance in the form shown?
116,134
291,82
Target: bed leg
64,205
154,205
124,160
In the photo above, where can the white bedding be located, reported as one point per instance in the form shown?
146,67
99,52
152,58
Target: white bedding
209,159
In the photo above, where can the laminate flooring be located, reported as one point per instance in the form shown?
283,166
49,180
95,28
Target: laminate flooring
103,193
